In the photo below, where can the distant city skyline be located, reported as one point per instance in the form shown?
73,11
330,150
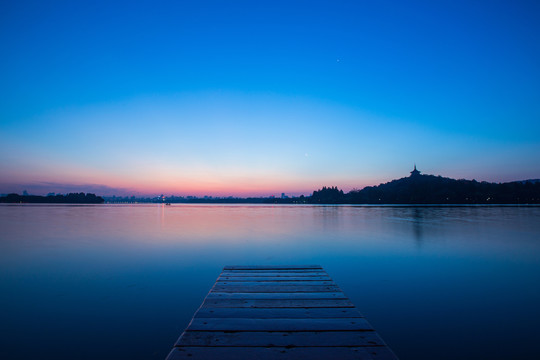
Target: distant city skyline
264,98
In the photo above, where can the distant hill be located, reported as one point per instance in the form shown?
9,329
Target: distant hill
430,189
74,198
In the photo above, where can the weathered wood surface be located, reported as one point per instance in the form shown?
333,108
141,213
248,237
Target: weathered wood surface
280,338
272,267
274,278
278,303
276,296
228,324
274,283
275,288
277,352
278,312
277,273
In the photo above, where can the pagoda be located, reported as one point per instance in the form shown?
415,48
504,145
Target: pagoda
415,172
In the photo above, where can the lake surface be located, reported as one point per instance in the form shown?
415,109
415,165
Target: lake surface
123,281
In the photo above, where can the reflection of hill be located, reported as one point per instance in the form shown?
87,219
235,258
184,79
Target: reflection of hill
74,198
429,189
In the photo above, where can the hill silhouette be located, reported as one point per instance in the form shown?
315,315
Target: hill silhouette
431,189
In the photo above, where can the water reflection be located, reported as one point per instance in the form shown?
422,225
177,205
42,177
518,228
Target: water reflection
417,225
143,270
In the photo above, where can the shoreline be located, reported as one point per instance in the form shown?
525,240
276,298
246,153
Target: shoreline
279,204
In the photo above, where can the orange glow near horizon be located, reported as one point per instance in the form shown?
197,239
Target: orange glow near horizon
211,185
230,185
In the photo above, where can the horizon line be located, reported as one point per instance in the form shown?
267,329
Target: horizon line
139,194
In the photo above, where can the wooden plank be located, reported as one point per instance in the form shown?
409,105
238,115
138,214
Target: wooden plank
242,324
324,303
283,271
262,288
296,339
271,267
274,278
274,273
287,296
274,283
278,313
281,353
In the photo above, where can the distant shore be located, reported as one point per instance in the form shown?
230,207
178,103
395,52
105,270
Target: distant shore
416,189
73,198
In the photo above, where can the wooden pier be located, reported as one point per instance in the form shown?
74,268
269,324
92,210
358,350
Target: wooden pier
278,312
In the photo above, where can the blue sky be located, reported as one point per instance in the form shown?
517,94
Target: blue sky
259,98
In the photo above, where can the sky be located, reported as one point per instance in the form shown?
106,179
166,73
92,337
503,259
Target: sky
259,98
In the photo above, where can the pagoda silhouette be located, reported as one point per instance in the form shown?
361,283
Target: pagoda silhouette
415,172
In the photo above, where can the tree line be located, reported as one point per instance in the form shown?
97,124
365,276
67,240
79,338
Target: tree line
72,198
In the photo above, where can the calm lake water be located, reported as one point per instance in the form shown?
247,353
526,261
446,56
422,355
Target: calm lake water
122,281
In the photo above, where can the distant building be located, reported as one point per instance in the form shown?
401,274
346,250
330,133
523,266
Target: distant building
415,172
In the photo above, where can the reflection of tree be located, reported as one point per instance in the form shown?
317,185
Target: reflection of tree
330,217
